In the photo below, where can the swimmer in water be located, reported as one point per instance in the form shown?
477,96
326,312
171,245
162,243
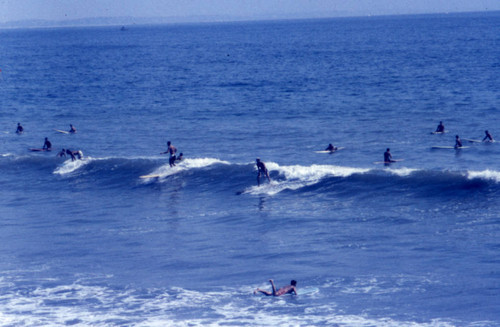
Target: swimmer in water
289,289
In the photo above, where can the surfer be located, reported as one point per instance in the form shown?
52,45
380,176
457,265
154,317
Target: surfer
388,156
171,150
72,129
179,157
47,146
262,170
74,154
488,137
62,153
458,142
71,154
440,128
331,148
19,129
289,289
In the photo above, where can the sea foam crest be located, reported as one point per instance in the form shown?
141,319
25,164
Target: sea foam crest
298,176
402,172
87,305
69,166
487,174
166,170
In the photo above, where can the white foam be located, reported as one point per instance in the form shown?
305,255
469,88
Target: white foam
485,174
186,164
86,305
69,166
297,176
403,172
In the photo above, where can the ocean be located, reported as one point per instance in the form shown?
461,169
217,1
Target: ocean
91,243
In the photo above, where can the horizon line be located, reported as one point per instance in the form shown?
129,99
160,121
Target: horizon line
203,19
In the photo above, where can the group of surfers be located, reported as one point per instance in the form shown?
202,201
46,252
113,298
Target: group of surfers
458,141
47,145
261,167
172,151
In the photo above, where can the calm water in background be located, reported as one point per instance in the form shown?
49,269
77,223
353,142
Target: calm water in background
91,243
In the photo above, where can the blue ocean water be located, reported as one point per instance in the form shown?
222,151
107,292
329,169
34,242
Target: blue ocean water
412,244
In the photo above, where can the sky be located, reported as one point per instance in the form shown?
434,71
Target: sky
60,10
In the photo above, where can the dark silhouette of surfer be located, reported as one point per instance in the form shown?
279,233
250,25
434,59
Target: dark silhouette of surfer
262,171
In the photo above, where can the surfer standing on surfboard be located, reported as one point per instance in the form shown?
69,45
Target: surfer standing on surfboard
289,289
262,170
172,150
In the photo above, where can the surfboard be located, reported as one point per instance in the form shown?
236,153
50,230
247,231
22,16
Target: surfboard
60,131
448,147
327,151
473,141
439,132
300,291
307,290
388,162
149,176
38,150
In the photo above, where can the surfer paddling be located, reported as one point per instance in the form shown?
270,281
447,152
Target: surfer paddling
262,171
171,150
331,148
289,289
488,137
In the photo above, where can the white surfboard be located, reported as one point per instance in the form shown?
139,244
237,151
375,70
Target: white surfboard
149,176
388,162
327,151
300,291
439,132
307,290
60,131
473,141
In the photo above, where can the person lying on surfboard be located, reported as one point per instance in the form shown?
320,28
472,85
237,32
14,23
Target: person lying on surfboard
331,148
488,136
289,289
440,128
458,142
262,170
179,157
